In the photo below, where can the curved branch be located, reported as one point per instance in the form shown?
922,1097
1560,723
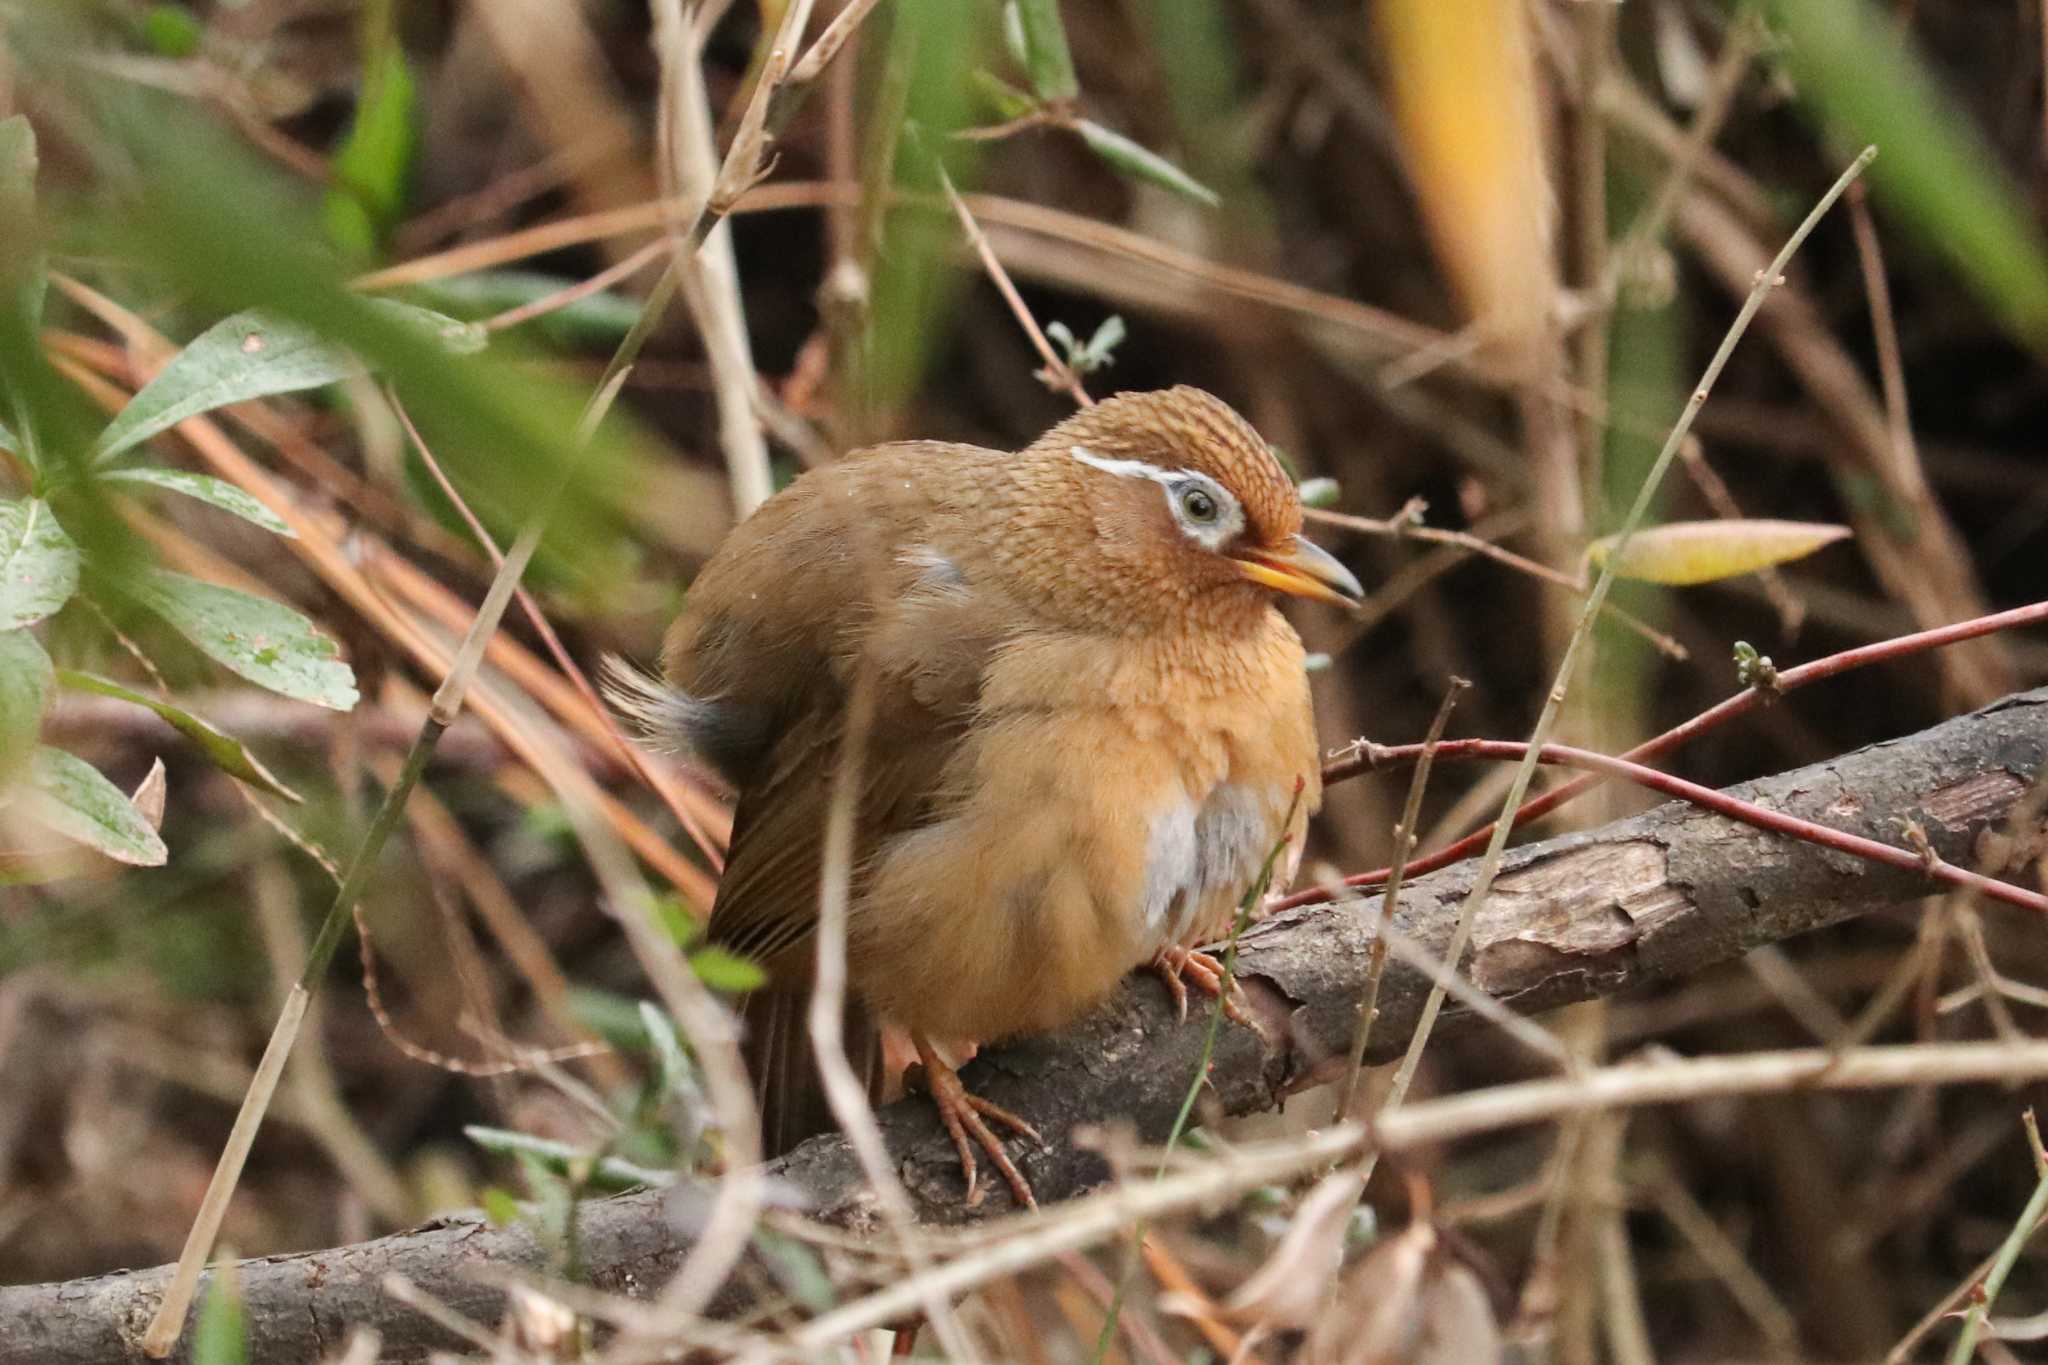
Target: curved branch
1665,894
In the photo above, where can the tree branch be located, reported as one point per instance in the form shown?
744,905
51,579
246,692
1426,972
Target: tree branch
1665,894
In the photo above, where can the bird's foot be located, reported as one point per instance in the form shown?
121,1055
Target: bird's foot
961,1111
1177,966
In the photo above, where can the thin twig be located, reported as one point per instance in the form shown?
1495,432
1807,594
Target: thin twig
1748,812
1489,865
1057,374
1406,524
1098,1217
1404,845
1742,703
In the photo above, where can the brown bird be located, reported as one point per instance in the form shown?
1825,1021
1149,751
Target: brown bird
1089,723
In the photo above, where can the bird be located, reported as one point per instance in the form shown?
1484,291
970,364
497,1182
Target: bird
1090,727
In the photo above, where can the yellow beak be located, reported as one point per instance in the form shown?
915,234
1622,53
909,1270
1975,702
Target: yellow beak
1303,569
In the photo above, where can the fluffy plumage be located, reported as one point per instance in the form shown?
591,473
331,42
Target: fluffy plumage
1090,723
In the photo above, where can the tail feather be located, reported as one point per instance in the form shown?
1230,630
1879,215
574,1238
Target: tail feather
784,1067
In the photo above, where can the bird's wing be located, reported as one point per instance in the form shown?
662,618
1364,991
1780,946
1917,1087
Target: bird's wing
779,628
767,906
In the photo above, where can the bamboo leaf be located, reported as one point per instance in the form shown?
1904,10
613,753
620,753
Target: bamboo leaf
24,275
222,750
38,563
264,641
69,796
25,675
375,161
1857,70
1040,39
1132,159
1688,552
253,356
208,489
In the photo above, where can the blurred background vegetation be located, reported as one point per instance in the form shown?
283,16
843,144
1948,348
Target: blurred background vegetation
1473,252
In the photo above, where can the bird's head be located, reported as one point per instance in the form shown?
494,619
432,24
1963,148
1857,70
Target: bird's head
1187,497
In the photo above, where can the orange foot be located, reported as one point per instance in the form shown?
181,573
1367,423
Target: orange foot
962,1113
1177,966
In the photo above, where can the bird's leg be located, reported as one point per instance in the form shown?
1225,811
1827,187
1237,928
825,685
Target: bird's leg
962,1111
1177,965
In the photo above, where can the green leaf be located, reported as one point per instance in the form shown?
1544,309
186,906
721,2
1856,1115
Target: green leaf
797,1268
672,1063
8,440
1036,28
1132,159
264,641
501,1206
375,161
1857,71
23,273
1005,99
1319,492
68,796
1688,552
218,1337
25,675
253,356
222,750
172,31
222,494
557,1158
38,563
727,971
599,319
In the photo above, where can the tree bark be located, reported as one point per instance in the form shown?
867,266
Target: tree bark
1662,895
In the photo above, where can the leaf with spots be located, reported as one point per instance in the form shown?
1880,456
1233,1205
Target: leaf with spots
69,796
219,492
251,355
264,641
25,675
38,563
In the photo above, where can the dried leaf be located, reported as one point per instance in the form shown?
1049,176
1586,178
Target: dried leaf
1289,1290
150,793
1688,552
1377,1317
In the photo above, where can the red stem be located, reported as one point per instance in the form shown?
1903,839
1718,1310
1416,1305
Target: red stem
1721,803
1370,758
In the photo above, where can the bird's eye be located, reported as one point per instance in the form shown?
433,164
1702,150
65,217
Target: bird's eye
1198,506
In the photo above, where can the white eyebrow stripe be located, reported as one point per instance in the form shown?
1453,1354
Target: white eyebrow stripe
1130,469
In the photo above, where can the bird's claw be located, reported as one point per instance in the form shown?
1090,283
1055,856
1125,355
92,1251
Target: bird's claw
1177,966
962,1112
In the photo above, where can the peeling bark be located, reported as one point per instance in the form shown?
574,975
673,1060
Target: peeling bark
1662,895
